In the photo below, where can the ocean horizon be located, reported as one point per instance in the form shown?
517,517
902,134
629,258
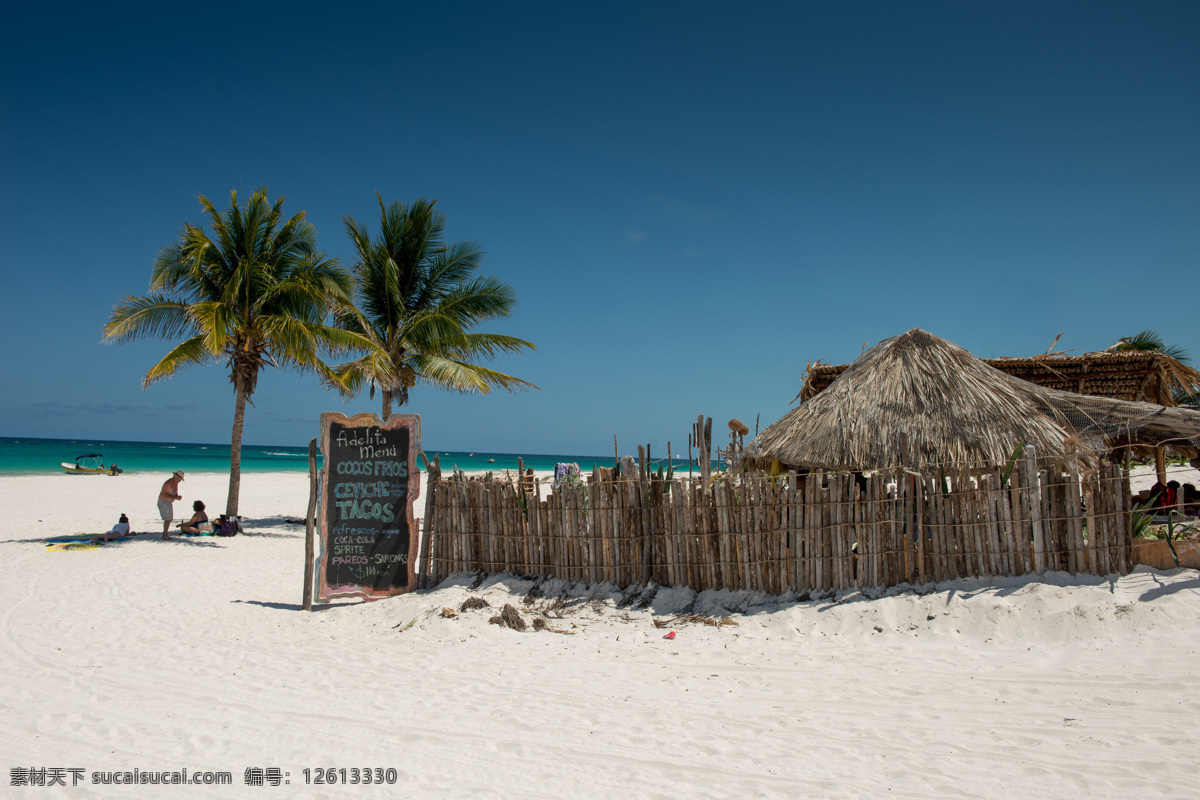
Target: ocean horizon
26,455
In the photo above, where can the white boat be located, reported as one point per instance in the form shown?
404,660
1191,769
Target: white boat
90,464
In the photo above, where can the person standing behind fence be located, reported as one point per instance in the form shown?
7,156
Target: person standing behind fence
166,496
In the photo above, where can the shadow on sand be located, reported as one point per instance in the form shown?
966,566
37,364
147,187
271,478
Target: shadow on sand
297,606
1163,589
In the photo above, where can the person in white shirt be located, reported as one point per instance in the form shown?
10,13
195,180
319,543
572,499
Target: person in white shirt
121,529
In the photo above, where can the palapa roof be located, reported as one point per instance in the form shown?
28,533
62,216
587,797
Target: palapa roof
1120,375
951,407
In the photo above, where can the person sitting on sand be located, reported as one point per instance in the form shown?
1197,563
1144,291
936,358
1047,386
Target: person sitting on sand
1171,498
166,496
192,526
120,530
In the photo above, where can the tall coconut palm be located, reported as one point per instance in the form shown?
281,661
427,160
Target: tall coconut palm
418,300
254,293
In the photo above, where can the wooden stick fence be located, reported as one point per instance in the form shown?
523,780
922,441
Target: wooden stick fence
815,532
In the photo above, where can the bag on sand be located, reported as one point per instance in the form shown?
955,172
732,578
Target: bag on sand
227,526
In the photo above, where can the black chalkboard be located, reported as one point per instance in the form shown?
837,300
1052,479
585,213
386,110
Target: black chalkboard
368,483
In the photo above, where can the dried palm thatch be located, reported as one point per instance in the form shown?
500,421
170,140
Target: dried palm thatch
1120,375
919,400
1120,425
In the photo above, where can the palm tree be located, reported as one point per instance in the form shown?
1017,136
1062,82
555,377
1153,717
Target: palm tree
255,293
417,301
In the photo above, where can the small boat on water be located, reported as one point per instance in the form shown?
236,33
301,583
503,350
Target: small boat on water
90,464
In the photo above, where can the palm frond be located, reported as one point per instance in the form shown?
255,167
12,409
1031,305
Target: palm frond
491,345
188,353
461,376
482,299
153,316
374,367
1152,342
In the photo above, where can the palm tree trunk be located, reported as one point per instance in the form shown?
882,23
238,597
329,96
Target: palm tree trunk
235,454
387,404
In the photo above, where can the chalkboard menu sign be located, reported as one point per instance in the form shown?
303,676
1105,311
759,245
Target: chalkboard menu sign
369,480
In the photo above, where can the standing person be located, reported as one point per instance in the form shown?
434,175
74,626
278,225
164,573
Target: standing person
168,495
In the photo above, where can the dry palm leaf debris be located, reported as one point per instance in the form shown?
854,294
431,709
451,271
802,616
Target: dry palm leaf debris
509,617
695,618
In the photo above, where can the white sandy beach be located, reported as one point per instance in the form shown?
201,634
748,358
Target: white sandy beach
160,656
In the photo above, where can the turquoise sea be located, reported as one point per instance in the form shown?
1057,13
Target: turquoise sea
29,456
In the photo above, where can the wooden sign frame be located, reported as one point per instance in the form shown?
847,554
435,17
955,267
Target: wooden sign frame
359,500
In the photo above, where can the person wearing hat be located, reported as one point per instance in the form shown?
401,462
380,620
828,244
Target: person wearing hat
168,495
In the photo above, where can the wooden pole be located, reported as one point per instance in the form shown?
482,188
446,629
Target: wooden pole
423,547
643,486
919,503
432,476
310,524
703,437
1029,479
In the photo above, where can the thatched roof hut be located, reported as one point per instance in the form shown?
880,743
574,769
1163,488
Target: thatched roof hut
1120,375
919,400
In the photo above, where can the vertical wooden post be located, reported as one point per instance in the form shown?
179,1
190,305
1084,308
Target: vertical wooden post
310,524
433,520
1029,481
1126,529
933,503
812,524
423,558
703,437
707,450
1098,504
1078,557
643,494
919,505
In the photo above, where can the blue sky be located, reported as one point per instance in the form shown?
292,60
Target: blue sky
691,200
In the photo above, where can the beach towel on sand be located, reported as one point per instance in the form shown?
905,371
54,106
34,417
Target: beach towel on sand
80,541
